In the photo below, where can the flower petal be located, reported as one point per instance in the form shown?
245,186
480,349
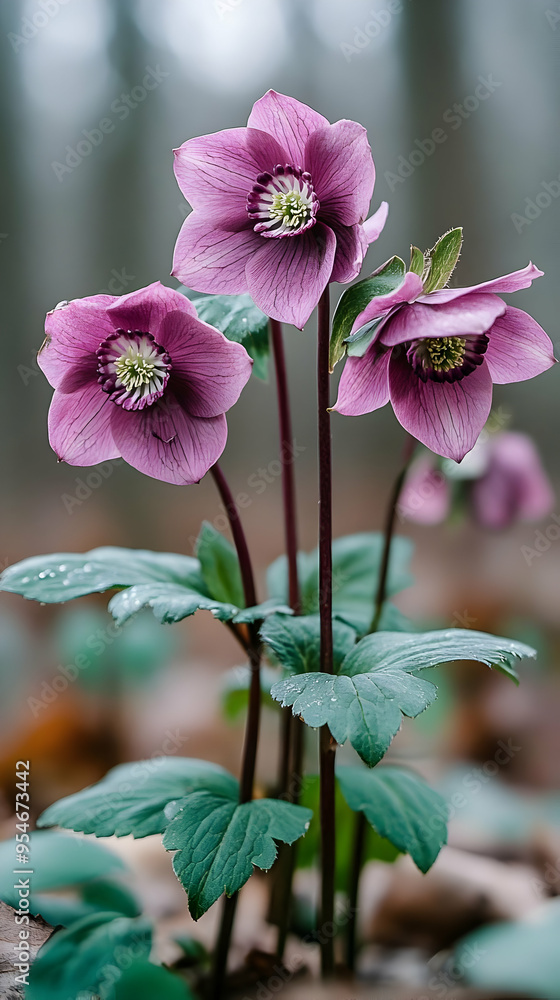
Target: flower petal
373,227
364,383
287,276
210,259
445,416
339,159
73,334
166,443
508,283
519,348
426,496
351,248
515,484
216,172
145,309
473,314
208,371
381,304
80,426
289,121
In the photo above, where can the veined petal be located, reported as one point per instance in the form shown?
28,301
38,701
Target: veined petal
145,309
80,426
474,314
518,348
210,259
508,283
339,159
445,416
381,304
208,371
373,227
216,172
289,121
166,443
364,383
286,277
351,248
73,334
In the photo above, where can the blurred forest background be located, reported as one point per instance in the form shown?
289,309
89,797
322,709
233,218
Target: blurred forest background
108,222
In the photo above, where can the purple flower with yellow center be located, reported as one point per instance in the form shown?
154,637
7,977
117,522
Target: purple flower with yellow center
435,357
140,377
279,207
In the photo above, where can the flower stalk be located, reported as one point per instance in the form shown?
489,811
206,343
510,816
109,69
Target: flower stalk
253,716
327,746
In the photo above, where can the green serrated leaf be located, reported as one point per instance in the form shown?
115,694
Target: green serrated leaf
219,841
308,850
59,861
87,957
521,957
416,261
377,683
240,320
132,798
66,575
443,260
356,567
219,566
296,641
171,603
365,709
354,300
401,807
422,650
145,981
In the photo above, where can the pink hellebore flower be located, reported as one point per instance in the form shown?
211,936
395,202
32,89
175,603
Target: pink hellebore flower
502,480
142,378
436,355
279,207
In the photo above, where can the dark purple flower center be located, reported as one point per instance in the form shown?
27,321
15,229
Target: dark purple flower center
283,202
133,369
446,359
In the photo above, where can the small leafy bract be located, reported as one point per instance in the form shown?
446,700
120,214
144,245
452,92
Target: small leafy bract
219,841
417,261
132,798
377,683
87,956
66,575
296,641
354,300
356,566
443,259
240,320
401,807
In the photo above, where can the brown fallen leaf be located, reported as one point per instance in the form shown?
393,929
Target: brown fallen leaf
39,932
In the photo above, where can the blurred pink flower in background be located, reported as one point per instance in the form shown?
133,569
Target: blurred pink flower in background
501,481
140,377
279,207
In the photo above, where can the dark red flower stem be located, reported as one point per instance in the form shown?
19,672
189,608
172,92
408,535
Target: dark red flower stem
390,520
253,716
292,736
327,746
360,827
